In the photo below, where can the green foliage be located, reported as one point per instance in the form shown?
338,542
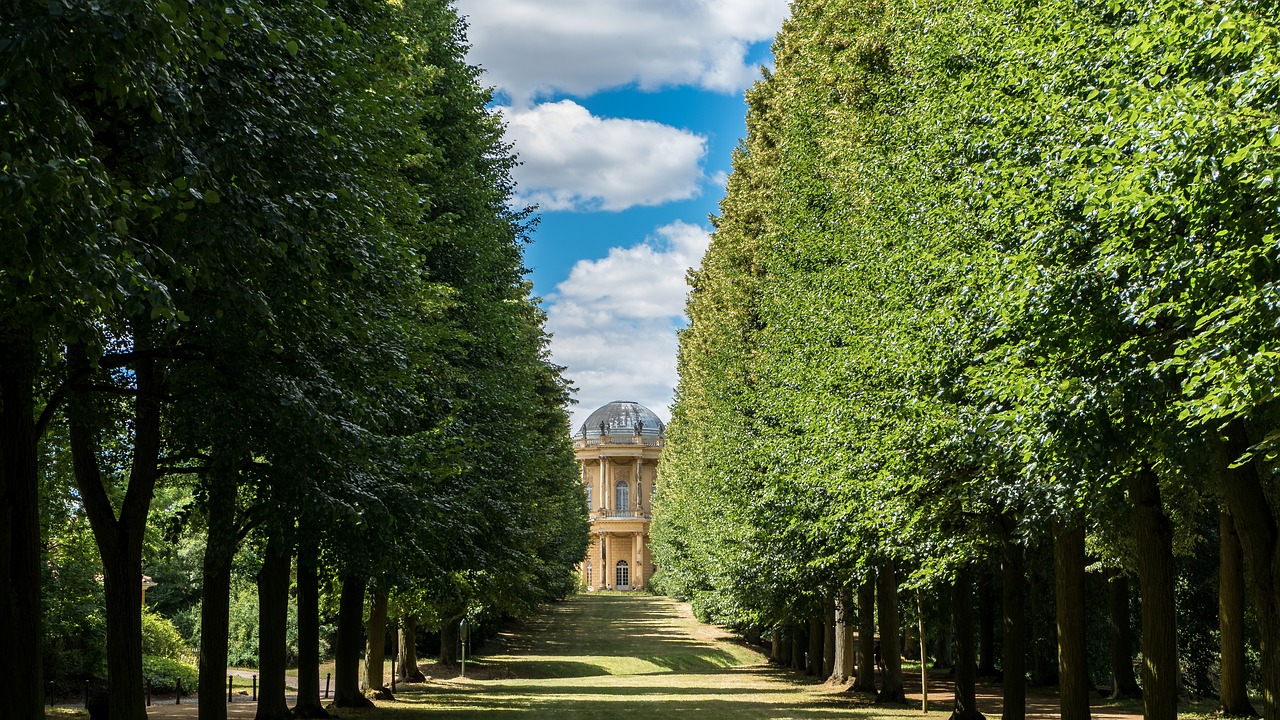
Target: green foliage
160,637
163,674
977,262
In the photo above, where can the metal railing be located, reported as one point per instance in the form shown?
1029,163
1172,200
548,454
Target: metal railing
609,514
597,442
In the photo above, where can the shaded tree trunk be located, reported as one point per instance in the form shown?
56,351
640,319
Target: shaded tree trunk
1013,656
375,656
273,617
346,655
1073,658
1233,696
215,590
1156,580
783,635
798,648
1123,682
817,636
843,649
986,627
1256,525
449,640
891,690
119,539
829,638
946,634
1041,622
409,671
966,685
21,659
308,705
866,677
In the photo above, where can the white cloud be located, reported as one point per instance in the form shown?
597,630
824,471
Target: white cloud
573,160
536,47
614,320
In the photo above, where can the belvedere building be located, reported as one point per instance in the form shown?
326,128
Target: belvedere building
618,448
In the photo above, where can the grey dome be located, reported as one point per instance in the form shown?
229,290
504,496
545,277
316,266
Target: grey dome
622,418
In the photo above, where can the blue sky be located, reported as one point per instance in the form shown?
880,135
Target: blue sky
624,114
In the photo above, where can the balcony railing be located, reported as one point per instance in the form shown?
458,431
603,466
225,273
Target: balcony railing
597,442
608,514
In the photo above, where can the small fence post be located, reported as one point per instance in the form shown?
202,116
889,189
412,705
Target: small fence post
230,683
327,677
86,693
148,692
177,700
255,688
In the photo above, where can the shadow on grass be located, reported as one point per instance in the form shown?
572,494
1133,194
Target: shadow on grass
757,700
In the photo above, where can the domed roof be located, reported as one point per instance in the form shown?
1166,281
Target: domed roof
622,418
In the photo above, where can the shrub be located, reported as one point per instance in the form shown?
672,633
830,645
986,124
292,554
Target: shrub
160,637
163,674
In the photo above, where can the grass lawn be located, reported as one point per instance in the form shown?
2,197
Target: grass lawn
609,656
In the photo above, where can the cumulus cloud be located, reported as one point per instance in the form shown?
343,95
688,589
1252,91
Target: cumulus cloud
573,160
614,320
532,48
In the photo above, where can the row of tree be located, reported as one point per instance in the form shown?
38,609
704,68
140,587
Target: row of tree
263,251
992,276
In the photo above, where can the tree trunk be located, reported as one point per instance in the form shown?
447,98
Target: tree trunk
449,640
829,638
817,636
346,655
866,677
986,627
890,654
409,671
1013,656
1073,657
966,685
1232,694
119,539
946,634
215,590
21,659
1044,666
1123,682
1156,580
798,647
273,617
843,650
783,635
1257,527
375,657
308,705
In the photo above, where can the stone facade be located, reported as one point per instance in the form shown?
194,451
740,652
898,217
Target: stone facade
618,449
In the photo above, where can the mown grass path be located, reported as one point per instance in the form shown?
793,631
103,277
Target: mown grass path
619,656
610,656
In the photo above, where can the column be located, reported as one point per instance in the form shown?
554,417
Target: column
636,552
604,483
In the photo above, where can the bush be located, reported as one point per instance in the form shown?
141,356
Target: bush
160,636
163,674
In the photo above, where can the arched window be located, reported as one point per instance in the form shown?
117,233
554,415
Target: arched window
622,575
621,496
588,495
